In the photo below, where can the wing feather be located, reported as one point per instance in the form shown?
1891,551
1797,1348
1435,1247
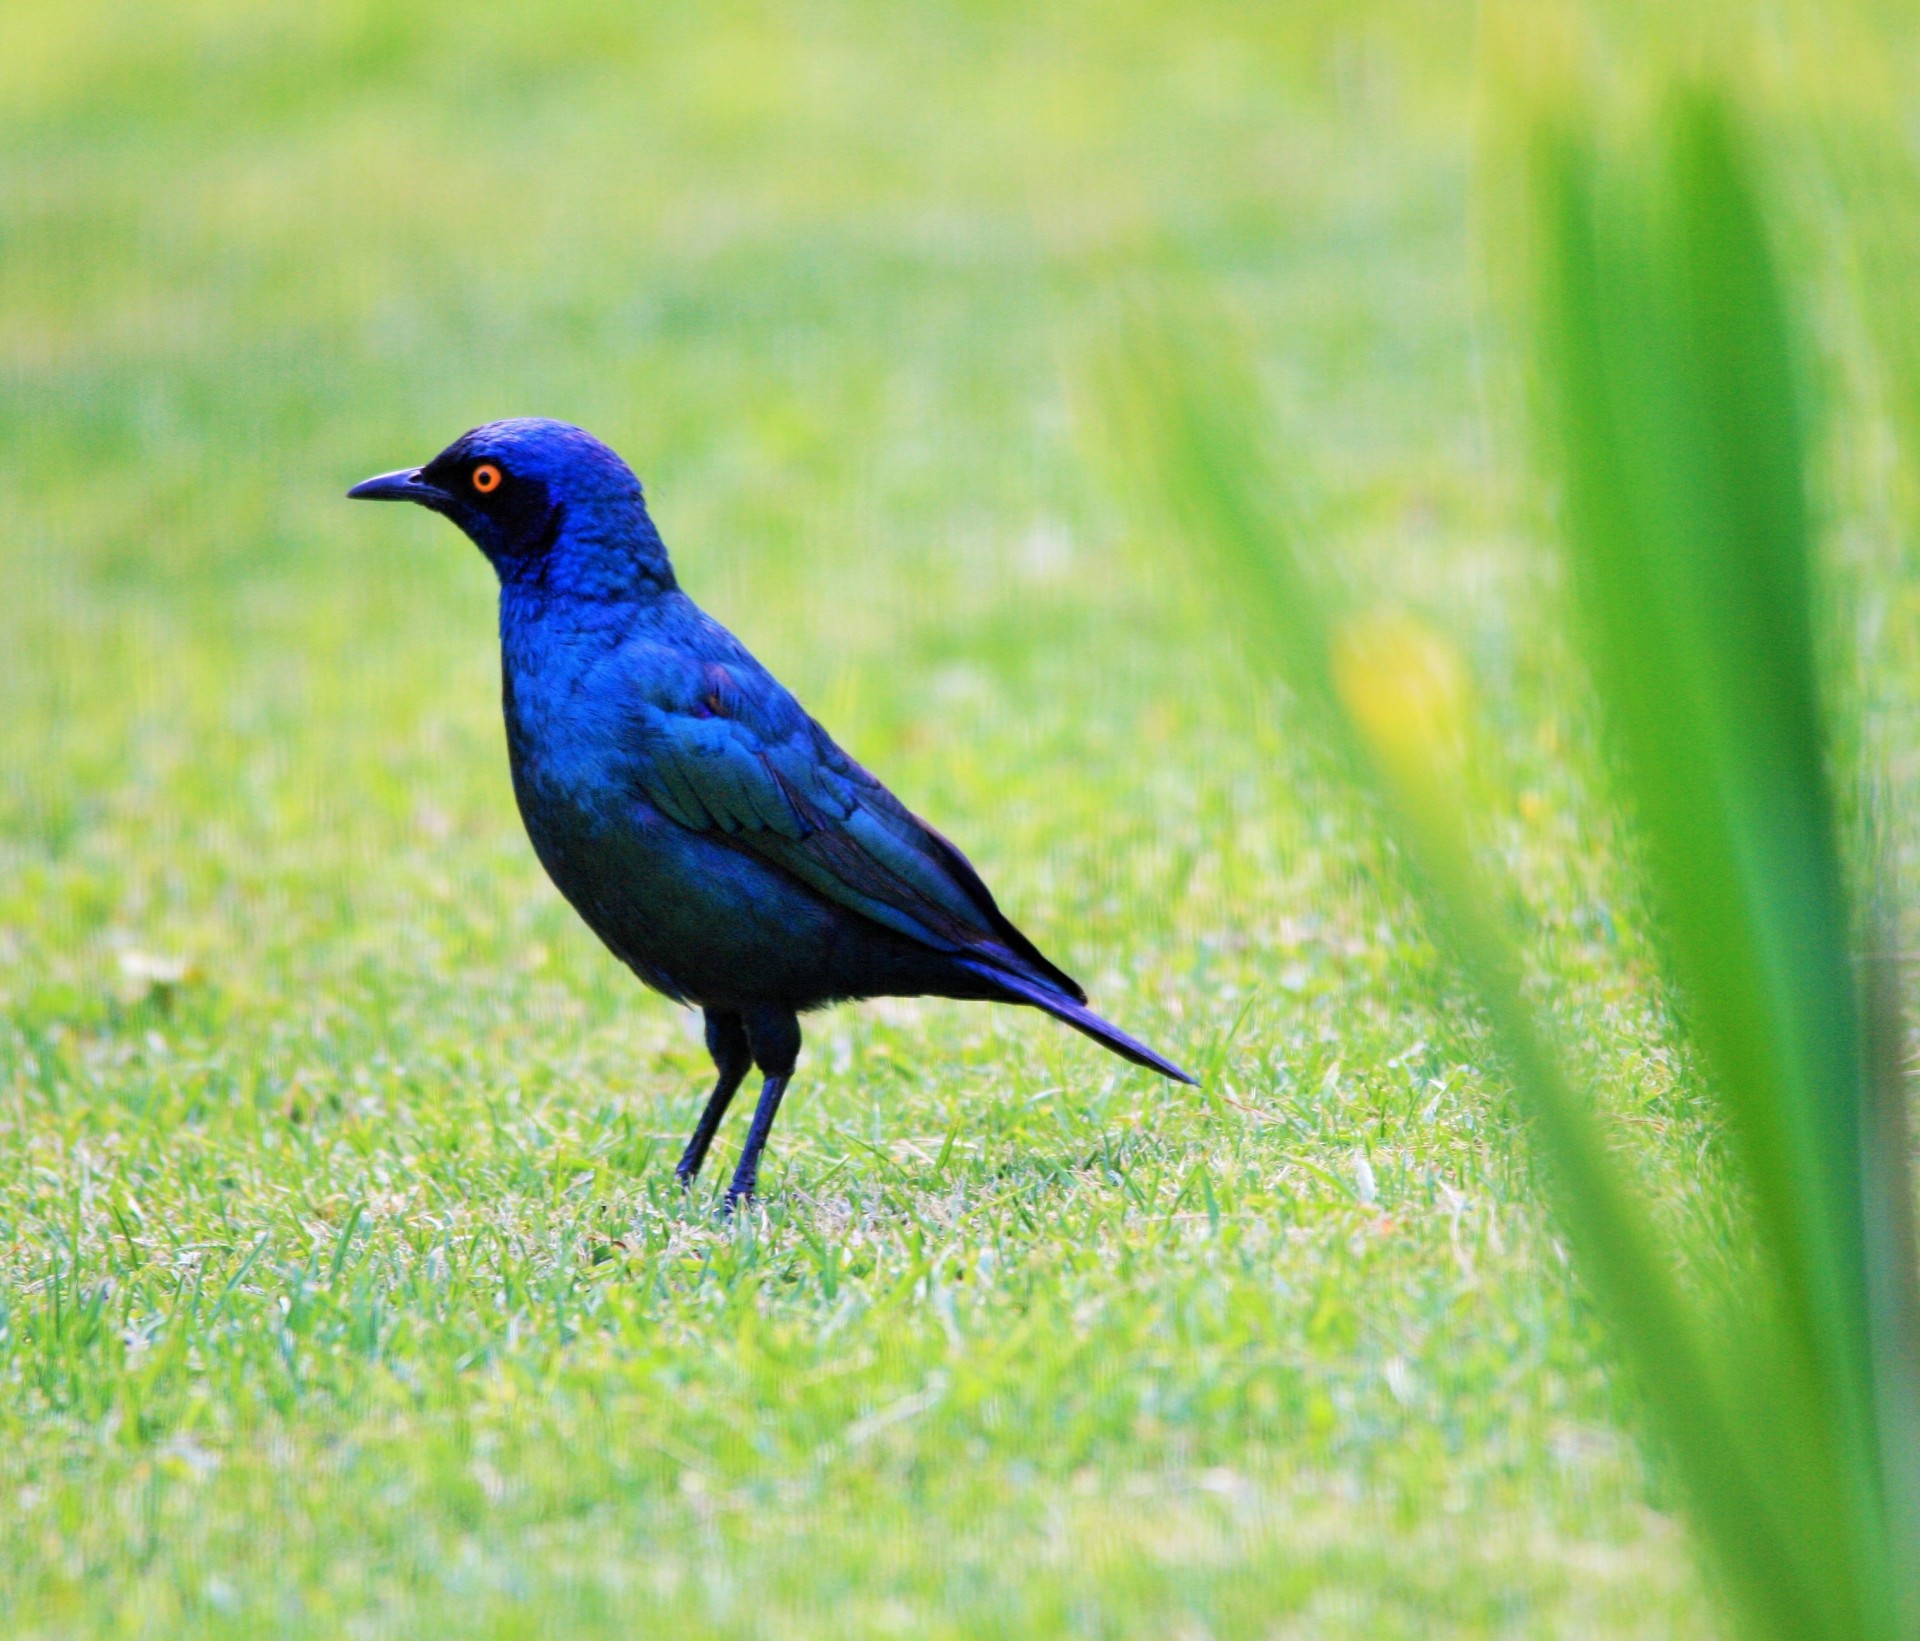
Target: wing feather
725,748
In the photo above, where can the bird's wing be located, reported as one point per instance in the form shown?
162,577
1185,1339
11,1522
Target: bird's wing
720,746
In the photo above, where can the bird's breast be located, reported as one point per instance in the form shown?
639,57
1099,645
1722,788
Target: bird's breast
564,746
607,850
692,912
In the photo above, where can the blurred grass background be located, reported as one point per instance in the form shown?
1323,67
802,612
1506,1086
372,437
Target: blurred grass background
342,1286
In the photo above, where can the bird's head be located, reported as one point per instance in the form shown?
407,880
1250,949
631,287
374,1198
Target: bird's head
542,499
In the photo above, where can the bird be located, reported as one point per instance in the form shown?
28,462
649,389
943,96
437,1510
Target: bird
715,837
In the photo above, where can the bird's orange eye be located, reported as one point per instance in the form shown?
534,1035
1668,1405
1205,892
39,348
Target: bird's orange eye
486,478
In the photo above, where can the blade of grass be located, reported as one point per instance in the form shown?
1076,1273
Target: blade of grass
1182,416
1690,558
1668,364
1401,688
1665,350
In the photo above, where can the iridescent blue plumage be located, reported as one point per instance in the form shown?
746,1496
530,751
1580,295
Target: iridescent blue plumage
704,826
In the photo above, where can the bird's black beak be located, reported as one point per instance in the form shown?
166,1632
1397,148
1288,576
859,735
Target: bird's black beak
405,485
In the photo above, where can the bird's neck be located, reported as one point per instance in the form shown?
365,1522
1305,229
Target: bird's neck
551,647
550,629
592,556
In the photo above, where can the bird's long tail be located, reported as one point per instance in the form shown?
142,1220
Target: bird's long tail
1019,989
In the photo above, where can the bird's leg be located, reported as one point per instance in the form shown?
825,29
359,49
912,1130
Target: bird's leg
775,1035
732,1055
747,1176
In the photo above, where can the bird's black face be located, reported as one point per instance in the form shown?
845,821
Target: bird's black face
547,502
509,515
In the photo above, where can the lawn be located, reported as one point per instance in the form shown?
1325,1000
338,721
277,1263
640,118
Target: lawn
344,1287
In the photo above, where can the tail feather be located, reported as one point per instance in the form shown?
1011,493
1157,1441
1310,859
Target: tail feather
1019,989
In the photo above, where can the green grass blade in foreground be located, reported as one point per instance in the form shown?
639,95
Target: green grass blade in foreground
1893,1281
1396,682
1210,481
1183,416
1666,346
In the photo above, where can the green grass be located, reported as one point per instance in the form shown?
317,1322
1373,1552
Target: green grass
1779,1384
344,1287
